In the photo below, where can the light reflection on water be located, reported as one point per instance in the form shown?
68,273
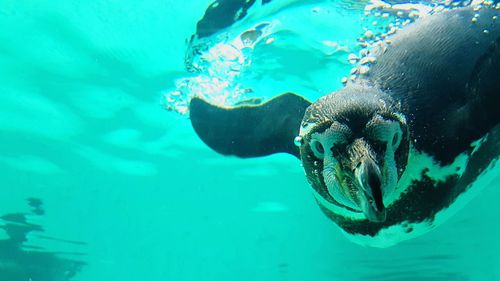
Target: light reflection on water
21,260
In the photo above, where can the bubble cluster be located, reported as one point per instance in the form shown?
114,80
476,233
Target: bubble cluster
215,65
217,90
383,20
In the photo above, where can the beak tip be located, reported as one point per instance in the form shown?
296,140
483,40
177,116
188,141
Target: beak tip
370,182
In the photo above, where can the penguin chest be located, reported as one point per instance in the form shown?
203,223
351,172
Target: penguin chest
429,193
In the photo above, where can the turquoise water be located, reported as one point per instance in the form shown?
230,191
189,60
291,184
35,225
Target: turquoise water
100,182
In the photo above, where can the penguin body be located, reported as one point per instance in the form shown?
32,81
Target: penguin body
400,148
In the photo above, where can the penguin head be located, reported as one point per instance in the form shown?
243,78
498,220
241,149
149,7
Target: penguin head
355,148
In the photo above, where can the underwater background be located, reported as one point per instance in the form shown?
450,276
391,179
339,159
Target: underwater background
103,178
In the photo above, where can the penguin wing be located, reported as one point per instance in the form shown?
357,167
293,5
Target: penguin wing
250,130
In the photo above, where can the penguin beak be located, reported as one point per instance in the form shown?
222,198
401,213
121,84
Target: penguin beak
369,179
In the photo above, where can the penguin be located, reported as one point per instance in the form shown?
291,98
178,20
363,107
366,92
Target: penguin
401,147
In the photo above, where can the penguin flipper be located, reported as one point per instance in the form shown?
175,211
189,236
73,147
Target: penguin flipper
250,130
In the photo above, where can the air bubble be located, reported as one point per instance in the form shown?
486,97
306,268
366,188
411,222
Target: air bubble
363,70
298,141
367,60
392,30
363,44
269,40
352,58
414,14
438,9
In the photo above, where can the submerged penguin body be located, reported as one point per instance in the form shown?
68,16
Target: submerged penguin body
401,147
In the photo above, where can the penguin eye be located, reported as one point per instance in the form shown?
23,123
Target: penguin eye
318,149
